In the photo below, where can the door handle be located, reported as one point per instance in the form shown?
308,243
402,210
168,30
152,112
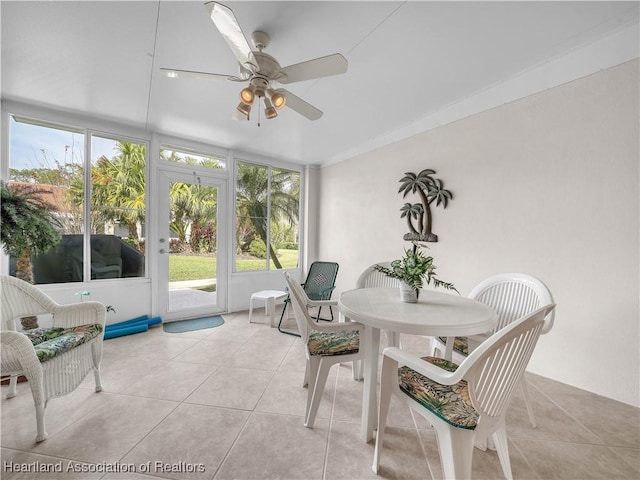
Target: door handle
162,250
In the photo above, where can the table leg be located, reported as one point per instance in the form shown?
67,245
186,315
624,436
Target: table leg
370,391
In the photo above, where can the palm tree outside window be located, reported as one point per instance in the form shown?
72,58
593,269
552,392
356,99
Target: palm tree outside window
267,216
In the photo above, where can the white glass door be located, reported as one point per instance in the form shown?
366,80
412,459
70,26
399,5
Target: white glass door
191,246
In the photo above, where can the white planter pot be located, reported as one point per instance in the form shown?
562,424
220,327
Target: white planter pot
408,294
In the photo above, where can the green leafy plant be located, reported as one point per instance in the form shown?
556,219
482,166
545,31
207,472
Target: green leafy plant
27,226
415,269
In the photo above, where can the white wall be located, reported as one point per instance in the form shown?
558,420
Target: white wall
546,185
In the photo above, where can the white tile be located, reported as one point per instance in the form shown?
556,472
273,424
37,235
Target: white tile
108,432
232,387
277,446
189,443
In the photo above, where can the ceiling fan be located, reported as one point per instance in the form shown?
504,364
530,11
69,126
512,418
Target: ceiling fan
262,71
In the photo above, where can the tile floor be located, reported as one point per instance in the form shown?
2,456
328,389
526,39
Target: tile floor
227,403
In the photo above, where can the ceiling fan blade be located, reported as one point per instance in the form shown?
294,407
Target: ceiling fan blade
320,67
174,73
298,105
226,23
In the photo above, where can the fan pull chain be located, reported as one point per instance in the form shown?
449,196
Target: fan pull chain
258,105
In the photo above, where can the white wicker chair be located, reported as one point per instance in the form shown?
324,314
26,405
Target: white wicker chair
61,374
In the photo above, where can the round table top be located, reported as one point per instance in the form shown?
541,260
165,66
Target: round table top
435,313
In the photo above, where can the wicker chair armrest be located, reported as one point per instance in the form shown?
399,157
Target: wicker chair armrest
75,314
17,352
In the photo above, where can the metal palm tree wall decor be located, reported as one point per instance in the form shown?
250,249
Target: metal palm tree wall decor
429,189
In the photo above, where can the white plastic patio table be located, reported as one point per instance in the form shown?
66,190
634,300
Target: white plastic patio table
436,313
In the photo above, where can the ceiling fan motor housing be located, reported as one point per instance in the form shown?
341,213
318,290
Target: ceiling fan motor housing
267,65
260,83
260,40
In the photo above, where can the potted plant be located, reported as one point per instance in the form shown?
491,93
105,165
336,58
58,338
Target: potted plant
414,270
26,226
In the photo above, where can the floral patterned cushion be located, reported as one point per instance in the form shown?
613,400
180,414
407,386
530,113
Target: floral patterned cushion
39,335
340,342
51,342
449,402
460,345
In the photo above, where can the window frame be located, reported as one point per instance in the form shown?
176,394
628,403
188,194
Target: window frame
59,122
269,165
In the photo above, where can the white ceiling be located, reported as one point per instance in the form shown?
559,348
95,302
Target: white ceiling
406,60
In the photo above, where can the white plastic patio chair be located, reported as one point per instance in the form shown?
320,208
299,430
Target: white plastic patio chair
325,346
371,278
462,402
54,360
511,295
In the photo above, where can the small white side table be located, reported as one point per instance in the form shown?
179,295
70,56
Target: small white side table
270,298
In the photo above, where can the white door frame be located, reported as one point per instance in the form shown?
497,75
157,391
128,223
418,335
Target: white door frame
165,176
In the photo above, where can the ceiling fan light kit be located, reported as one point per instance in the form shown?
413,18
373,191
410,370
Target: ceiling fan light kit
269,111
246,95
244,109
278,99
262,70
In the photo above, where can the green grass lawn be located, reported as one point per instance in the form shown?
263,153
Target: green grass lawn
196,267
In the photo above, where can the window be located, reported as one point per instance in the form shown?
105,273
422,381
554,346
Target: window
267,214
118,207
192,158
49,163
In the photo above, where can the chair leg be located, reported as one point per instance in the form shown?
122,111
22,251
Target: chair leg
456,451
305,382
41,434
250,309
36,382
314,367
96,353
35,378
357,370
284,309
502,446
527,402
318,390
96,375
270,309
318,317
387,385
13,386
